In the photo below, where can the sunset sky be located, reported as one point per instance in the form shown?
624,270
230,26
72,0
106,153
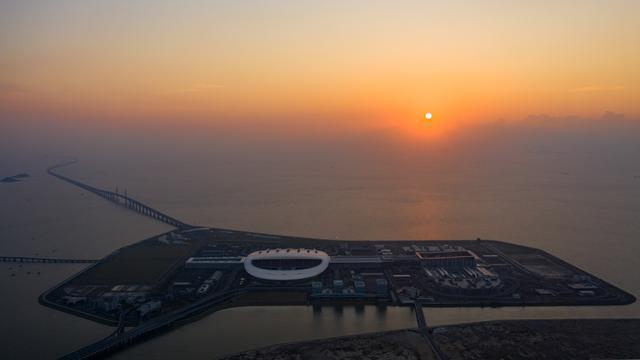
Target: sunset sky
343,64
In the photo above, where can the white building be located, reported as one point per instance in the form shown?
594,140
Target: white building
286,264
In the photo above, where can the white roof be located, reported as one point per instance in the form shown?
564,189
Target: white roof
286,254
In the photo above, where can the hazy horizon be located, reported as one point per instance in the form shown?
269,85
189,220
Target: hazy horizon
328,67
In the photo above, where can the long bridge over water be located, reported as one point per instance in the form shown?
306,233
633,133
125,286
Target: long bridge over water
114,197
120,199
24,259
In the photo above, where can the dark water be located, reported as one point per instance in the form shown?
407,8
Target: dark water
576,195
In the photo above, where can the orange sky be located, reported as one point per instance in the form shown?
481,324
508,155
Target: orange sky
352,64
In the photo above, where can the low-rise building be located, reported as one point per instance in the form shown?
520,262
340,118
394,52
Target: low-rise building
209,262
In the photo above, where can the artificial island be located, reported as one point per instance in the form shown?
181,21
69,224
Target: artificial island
172,278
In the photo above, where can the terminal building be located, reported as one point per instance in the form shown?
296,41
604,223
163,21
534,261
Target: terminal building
286,264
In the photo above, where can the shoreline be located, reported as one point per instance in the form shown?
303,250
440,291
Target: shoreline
562,338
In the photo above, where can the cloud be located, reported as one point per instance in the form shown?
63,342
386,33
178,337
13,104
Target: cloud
573,119
595,88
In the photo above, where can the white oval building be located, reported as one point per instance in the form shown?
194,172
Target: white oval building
286,264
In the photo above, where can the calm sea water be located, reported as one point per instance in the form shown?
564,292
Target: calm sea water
579,200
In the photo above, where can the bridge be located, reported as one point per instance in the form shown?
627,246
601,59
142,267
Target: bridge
424,330
23,259
120,199
119,340
422,321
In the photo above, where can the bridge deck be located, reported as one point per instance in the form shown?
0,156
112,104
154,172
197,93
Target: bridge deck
120,199
422,321
23,259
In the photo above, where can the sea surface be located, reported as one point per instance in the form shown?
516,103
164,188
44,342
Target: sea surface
579,200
